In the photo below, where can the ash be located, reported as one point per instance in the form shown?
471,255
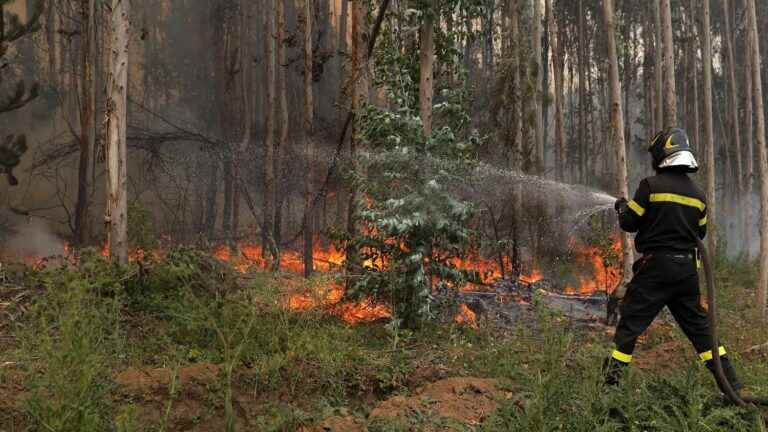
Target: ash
510,302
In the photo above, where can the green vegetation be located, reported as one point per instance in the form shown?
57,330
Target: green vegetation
279,370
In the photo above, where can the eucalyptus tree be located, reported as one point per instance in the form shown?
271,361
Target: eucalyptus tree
755,67
117,151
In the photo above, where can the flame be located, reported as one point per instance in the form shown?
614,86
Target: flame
466,316
330,297
605,275
488,270
535,276
324,260
365,310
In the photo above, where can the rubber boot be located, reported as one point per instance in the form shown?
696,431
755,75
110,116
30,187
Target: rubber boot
613,370
728,371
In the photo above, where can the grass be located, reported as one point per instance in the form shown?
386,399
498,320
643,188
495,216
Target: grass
281,371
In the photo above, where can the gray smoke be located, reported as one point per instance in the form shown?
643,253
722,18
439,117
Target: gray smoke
24,237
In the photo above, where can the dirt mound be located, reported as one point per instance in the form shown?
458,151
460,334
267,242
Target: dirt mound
339,424
141,381
466,400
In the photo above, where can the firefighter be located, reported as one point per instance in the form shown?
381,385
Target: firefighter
667,213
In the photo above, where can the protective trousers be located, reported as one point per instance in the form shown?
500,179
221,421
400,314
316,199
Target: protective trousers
664,279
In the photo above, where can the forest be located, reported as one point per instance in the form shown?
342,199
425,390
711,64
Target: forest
379,215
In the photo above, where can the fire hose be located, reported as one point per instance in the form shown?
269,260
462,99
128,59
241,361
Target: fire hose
722,381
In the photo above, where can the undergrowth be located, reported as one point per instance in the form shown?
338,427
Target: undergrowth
90,322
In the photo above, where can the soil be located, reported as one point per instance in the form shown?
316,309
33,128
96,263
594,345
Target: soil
465,400
340,424
140,382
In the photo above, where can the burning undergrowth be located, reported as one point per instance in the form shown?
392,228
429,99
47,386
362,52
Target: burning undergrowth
592,272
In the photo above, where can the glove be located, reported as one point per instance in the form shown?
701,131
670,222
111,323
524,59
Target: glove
620,204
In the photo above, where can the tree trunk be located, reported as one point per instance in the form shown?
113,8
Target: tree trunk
670,95
538,91
709,142
426,61
309,151
617,131
281,149
341,195
558,65
87,115
582,95
224,77
268,215
757,81
359,97
734,114
545,101
117,162
659,66
247,118
749,175
517,123
211,209
226,222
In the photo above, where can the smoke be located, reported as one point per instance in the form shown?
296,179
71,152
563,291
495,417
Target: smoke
742,235
28,237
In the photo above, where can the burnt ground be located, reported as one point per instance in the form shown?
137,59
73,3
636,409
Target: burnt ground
356,378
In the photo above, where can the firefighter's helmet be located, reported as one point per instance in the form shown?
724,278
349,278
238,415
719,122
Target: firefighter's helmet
671,148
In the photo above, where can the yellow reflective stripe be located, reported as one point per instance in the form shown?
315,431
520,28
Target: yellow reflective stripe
707,355
703,221
678,199
620,356
637,208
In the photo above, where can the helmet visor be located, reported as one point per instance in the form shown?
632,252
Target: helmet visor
682,158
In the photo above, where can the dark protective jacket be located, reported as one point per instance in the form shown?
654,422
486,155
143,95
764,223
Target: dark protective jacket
667,212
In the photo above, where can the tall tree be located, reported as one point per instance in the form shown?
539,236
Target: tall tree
757,81
309,151
517,123
343,49
238,149
539,91
359,80
670,95
558,66
117,160
709,143
281,148
617,126
658,66
87,84
582,130
749,133
546,44
268,212
733,93
426,70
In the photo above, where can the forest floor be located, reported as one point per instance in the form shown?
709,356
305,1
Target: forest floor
186,345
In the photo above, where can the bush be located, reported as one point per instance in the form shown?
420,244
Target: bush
74,327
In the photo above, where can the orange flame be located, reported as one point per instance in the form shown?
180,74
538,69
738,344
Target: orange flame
535,276
605,275
466,316
330,297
